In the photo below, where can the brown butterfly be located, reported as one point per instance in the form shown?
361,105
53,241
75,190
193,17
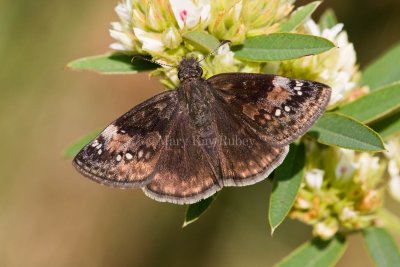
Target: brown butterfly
183,145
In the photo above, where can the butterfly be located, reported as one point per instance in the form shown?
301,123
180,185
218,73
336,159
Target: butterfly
184,145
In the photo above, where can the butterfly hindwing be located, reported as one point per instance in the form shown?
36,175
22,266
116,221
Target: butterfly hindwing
126,153
279,109
184,172
245,158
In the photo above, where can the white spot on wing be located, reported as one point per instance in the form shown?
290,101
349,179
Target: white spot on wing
100,151
128,156
279,81
148,154
299,93
109,132
119,158
278,112
287,108
140,154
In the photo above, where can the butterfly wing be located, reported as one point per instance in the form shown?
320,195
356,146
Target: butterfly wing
185,173
126,153
245,158
279,109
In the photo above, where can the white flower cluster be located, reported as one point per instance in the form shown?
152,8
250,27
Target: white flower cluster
336,67
393,155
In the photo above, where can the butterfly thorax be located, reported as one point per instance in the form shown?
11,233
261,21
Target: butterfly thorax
197,99
196,95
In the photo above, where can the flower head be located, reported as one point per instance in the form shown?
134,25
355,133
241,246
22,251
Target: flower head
393,169
340,190
158,28
336,67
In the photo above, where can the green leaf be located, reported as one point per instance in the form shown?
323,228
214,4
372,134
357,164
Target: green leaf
111,64
381,247
299,16
286,184
375,105
328,19
202,41
390,220
316,253
281,46
388,126
194,211
385,70
73,149
338,130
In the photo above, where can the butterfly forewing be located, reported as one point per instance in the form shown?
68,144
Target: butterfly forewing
126,152
279,109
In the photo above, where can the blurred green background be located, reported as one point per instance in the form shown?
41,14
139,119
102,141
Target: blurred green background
52,216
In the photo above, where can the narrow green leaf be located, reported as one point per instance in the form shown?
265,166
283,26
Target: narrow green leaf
299,16
316,253
73,149
388,126
385,70
111,64
338,130
286,184
202,41
381,247
194,211
328,19
281,46
375,105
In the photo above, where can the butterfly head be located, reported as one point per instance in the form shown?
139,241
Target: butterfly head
189,67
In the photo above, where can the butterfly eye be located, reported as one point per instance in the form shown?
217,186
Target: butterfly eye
200,70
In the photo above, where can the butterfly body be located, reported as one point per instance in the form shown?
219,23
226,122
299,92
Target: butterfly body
183,145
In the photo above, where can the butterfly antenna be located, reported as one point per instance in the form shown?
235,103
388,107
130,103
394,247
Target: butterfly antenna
215,50
151,61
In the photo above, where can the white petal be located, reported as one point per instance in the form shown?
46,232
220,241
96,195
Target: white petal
393,169
345,167
331,33
347,213
237,10
121,37
325,231
123,12
394,187
312,27
152,19
189,12
150,41
116,26
303,204
393,149
119,47
225,55
314,178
